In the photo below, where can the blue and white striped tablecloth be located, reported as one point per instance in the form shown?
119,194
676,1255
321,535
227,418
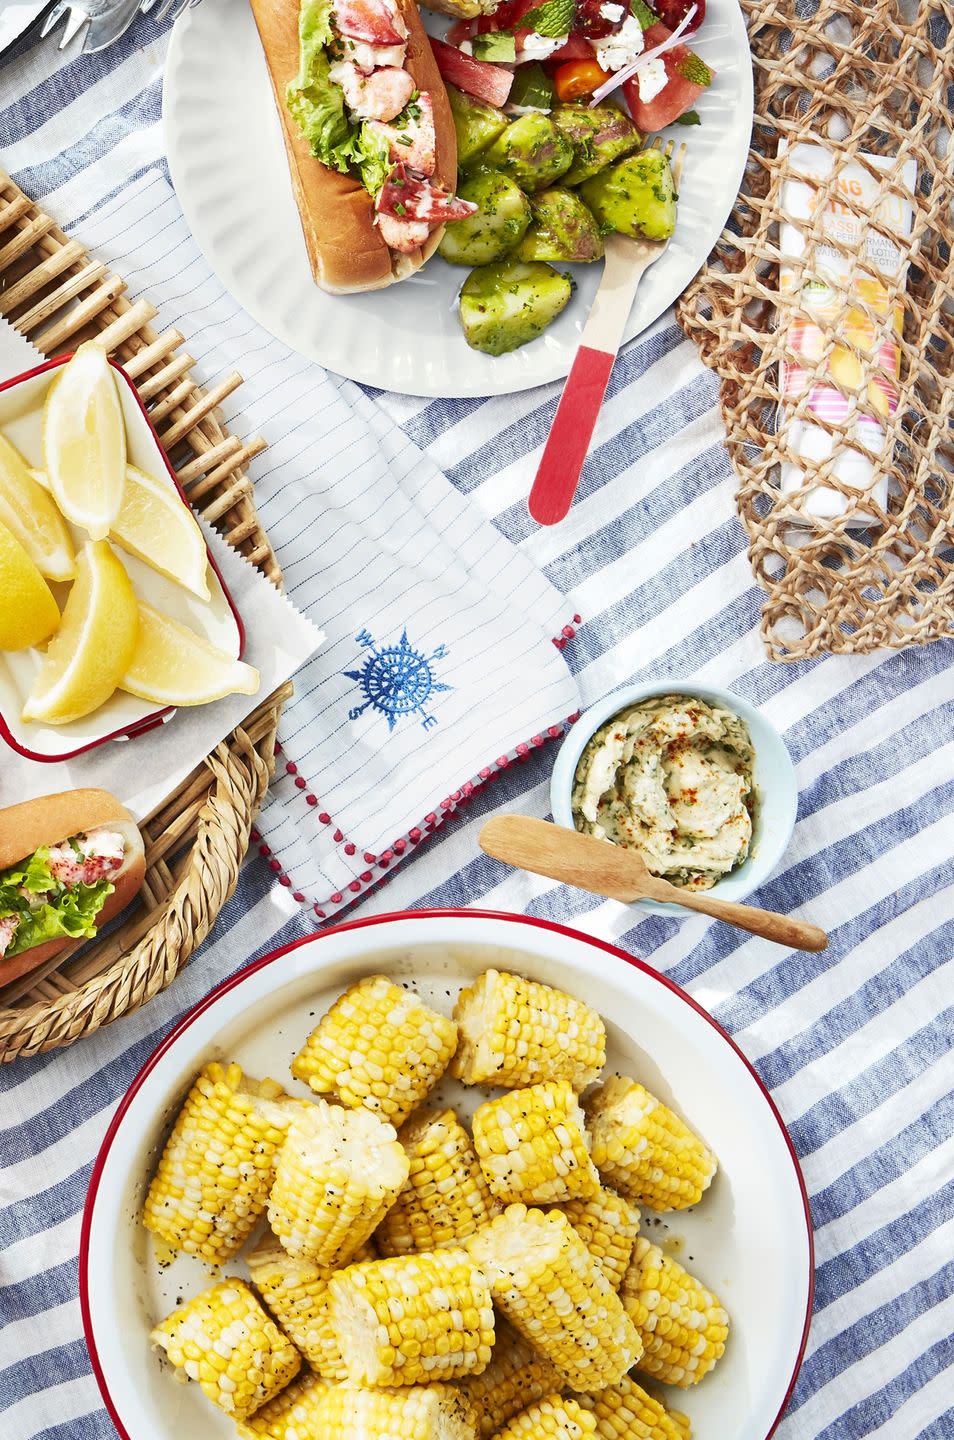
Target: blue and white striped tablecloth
854,1044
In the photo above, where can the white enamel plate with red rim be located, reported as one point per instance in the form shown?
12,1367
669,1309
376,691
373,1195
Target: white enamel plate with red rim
749,1240
217,620
227,160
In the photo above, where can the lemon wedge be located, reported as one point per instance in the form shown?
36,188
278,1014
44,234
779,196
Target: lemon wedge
158,529
27,510
154,525
84,441
174,666
94,645
28,613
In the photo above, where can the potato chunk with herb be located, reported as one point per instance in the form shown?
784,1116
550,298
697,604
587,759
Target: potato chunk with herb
600,136
504,306
562,229
499,223
476,124
531,151
635,197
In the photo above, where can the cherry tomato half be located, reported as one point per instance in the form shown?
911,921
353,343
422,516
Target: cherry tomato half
577,78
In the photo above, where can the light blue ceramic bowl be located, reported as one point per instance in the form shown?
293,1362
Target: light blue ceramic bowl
776,793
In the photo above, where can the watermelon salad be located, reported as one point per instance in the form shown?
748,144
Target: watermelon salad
585,50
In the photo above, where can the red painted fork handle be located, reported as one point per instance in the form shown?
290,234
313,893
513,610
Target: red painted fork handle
558,473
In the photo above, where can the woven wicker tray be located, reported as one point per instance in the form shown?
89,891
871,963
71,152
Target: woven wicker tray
860,79
56,295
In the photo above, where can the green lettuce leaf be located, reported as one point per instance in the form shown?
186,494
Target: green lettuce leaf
315,32
71,914
32,874
371,154
316,104
64,912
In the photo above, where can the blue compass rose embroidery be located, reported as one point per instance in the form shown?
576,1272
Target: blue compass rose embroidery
397,680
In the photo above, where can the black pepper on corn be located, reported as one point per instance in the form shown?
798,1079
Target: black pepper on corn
377,1047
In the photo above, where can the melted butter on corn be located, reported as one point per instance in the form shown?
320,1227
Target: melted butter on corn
682,1325
644,1150
516,1032
216,1169
224,1340
379,1047
413,1318
532,1145
336,1175
547,1284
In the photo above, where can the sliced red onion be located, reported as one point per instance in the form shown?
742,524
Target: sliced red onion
621,76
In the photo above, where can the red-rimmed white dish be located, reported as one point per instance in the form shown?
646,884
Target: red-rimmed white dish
218,621
750,1239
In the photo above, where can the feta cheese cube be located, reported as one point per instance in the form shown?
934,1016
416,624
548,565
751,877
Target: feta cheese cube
651,79
619,50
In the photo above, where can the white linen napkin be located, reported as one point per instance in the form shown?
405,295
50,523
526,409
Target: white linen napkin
440,663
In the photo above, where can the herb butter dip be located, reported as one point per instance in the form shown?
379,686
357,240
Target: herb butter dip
671,777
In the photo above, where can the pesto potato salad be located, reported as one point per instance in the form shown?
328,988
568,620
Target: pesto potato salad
551,104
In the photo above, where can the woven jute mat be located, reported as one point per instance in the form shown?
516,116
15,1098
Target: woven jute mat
873,79
56,295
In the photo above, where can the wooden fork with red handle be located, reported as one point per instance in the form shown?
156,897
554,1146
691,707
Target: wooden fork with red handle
558,473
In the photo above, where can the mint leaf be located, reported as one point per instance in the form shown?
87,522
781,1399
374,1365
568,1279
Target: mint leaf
495,45
532,88
643,14
691,117
695,70
552,19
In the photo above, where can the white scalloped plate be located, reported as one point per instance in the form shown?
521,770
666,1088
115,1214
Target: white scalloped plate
749,1239
227,160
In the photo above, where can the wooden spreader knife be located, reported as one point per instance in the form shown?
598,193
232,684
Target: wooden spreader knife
619,874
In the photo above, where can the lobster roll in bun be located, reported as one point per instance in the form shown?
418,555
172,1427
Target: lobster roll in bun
68,863
369,135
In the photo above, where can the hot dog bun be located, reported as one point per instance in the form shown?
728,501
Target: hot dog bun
345,247
50,820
